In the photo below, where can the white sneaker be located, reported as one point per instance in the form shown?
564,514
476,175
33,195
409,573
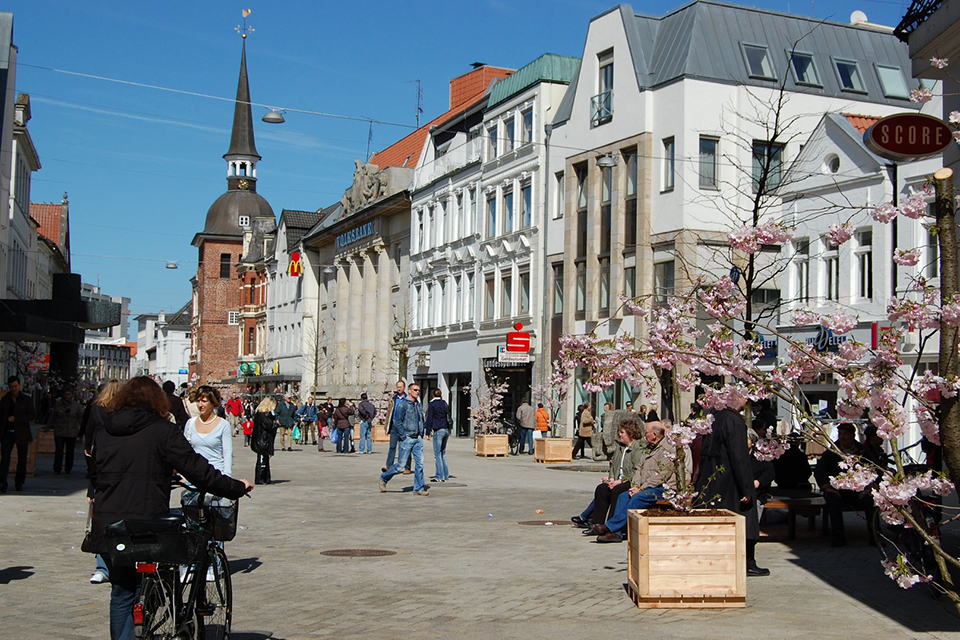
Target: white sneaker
98,577
210,575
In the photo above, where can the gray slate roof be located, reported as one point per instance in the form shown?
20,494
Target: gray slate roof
181,318
298,223
241,137
703,40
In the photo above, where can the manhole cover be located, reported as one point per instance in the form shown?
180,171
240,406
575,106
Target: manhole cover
580,467
434,485
545,523
358,553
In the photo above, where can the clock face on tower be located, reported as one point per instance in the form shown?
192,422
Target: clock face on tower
243,184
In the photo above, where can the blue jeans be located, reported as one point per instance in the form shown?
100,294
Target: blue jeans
644,499
526,438
343,444
440,437
392,452
409,446
123,595
102,566
366,442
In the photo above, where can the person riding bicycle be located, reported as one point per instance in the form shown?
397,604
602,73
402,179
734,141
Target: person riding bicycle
134,457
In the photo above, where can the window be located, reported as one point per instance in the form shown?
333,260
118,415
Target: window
471,294
708,162
527,119
509,135
508,212
457,314
581,287
601,105
492,216
492,142
558,289
802,262
630,282
605,286
524,309
458,224
430,312
561,194
669,163
489,310
471,220
864,257
892,82
224,265
849,74
244,221
758,62
506,297
431,240
630,200
421,239
663,281
932,257
831,268
526,206
418,310
251,341
804,69
581,211
441,220
766,303
767,165
233,317
606,195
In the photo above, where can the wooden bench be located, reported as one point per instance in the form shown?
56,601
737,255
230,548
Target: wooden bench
810,507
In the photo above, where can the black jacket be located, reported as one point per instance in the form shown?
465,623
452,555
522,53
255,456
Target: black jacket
264,433
438,413
725,476
135,454
178,410
22,412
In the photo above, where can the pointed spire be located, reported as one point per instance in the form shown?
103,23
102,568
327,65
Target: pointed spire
241,140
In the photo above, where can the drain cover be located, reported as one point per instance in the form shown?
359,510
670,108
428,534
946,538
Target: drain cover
543,523
434,485
358,553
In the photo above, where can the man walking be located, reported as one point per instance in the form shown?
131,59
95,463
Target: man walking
285,413
527,418
398,397
438,427
65,421
367,412
409,425
16,412
234,409
309,414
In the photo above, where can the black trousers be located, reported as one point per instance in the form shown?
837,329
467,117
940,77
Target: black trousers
836,503
63,446
261,474
7,443
605,501
582,442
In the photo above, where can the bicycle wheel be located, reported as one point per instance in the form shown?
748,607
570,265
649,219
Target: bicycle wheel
896,541
157,604
216,611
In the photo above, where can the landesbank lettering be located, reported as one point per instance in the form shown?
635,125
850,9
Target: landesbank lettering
355,234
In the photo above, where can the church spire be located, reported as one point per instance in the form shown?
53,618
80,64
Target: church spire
241,139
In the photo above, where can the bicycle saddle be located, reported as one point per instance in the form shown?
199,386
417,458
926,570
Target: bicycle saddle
169,523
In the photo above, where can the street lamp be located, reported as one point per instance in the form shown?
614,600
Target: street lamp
607,161
274,116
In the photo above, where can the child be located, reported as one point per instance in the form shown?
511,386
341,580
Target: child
247,431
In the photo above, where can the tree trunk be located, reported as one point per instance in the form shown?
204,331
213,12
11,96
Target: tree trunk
949,287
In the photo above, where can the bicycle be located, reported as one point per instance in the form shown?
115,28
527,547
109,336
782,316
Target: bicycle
513,435
186,591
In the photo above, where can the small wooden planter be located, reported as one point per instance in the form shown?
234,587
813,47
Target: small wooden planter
45,442
492,445
31,460
356,432
379,433
687,561
553,450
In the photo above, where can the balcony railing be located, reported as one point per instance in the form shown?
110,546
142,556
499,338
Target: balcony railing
601,108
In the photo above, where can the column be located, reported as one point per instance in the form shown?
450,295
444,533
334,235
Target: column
368,329
386,324
356,319
340,323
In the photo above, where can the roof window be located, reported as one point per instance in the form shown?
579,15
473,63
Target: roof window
804,69
892,82
758,62
849,74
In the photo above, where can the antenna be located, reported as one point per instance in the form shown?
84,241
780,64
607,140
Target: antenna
369,140
419,100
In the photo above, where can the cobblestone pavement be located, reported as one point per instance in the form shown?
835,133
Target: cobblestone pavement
463,567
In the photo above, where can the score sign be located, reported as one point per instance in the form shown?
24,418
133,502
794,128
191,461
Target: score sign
906,136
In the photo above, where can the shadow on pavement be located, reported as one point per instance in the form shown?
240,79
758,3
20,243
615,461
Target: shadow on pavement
244,565
253,635
10,574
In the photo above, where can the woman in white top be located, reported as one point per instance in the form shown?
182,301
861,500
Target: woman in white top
209,434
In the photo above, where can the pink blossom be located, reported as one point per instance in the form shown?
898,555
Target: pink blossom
915,206
950,312
839,323
857,477
722,300
801,317
956,138
921,95
954,117
838,234
769,448
852,350
848,410
902,573
906,258
939,63
750,238
913,314
884,213
929,427
633,306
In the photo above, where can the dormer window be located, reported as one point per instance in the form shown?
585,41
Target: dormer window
804,69
244,221
892,82
849,74
758,62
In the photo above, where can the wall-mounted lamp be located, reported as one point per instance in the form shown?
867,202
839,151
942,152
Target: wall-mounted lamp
607,161
274,116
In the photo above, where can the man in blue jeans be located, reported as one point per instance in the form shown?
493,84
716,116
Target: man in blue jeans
409,426
367,412
394,440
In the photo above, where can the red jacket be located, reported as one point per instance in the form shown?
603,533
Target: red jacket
234,407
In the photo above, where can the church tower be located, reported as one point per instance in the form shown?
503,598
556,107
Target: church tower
215,339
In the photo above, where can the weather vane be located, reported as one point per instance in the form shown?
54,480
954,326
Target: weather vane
244,30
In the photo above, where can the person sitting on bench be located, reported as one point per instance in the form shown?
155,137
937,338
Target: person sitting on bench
626,458
838,500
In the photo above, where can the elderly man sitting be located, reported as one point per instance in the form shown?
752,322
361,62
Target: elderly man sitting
626,459
655,473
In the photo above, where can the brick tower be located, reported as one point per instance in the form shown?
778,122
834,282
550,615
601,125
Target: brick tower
215,342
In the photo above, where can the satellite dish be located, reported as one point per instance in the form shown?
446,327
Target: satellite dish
858,17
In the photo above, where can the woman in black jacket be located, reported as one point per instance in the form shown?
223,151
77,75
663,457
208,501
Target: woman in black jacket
341,421
264,434
135,453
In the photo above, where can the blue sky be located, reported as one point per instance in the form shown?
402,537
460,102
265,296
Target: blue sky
142,165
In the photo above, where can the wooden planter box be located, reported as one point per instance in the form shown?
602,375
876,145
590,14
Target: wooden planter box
686,561
31,460
45,442
379,433
553,450
356,432
492,445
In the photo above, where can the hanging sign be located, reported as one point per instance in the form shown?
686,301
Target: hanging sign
906,136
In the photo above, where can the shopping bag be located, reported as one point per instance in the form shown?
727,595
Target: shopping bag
334,436
296,433
537,434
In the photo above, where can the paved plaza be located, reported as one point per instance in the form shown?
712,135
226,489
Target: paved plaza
463,566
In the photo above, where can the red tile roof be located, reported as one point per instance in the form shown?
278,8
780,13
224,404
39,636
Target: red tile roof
464,91
48,217
860,123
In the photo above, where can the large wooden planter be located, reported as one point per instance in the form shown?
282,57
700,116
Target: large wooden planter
553,450
379,433
31,460
492,445
686,561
